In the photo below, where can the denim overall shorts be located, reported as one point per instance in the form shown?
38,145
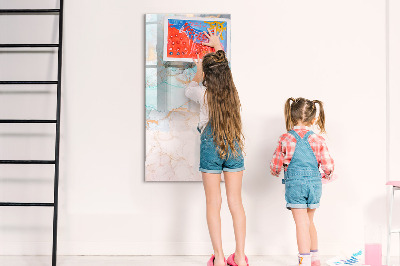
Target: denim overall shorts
303,186
210,160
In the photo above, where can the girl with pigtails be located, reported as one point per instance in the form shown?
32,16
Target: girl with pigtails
302,154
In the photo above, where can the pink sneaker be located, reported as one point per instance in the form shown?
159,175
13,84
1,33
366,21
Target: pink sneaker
211,261
231,260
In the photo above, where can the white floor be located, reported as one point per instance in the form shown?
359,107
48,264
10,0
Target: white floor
135,260
143,260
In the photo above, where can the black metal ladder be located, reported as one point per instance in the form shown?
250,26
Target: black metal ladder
57,82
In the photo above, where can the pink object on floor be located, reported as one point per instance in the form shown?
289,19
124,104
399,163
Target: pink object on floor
231,260
316,263
393,183
373,254
211,261
333,178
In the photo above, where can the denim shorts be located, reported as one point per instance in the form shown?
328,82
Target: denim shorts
210,160
303,193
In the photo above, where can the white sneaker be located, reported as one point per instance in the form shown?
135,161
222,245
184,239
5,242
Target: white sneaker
304,260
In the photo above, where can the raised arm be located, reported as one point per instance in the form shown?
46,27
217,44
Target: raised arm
213,39
193,90
199,73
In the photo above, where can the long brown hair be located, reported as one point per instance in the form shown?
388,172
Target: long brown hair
303,110
223,104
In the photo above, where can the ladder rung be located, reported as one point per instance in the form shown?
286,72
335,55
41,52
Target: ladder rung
27,121
27,161
395,231
33,204
29,82
33,45
7,11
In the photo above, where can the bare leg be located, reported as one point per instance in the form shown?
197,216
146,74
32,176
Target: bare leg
211,183
233,184
313,230
302,221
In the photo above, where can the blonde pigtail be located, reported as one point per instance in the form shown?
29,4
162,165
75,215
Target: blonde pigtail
288,114
321,116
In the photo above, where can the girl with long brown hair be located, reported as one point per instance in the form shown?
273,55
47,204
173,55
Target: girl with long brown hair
221,147
302,153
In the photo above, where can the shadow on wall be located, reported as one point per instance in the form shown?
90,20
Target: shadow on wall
263,193
376,221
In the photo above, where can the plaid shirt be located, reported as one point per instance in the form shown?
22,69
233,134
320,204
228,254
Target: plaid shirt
287,144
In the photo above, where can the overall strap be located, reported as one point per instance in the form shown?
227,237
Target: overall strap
309,133
297,136
294,133
303,164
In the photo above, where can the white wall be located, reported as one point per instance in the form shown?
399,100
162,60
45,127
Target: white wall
394,110
328,50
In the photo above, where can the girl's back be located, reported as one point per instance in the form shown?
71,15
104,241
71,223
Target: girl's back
287,146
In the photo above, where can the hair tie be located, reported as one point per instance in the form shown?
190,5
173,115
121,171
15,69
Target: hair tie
218,64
